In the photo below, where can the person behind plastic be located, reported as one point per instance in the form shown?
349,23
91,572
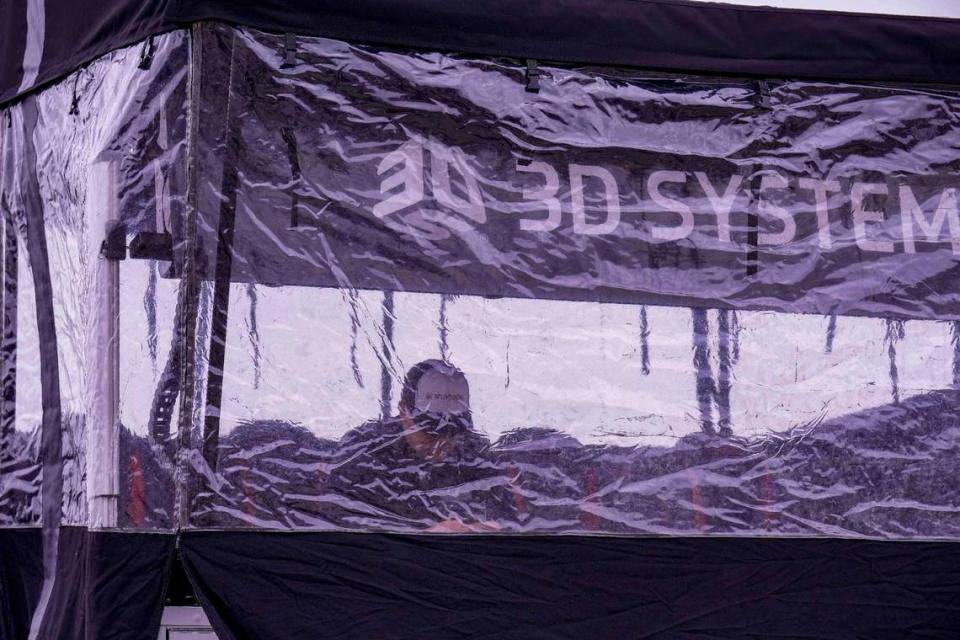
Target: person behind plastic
424,466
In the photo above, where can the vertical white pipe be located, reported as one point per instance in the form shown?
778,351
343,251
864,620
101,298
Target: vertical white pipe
103,482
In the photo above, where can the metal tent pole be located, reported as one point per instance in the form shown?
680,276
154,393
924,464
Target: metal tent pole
725,373
705,387
386,362
104,413
51,430
8,346
224,265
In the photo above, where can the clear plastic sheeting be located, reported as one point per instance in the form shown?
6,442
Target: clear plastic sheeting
106,147
584,418
20,466
340,166
20,451
441,294
254,284
392,291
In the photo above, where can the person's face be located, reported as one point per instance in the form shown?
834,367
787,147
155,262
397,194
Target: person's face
428,439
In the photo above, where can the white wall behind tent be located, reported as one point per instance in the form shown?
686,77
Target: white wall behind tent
943,8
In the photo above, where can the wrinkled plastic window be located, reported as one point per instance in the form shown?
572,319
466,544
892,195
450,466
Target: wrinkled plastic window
681,305
109,147
20,472
422,295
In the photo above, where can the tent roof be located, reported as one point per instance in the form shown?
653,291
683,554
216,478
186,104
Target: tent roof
660,34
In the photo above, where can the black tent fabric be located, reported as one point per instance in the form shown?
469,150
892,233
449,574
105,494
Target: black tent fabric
69,34
392,587
13,40
109,585
21,576
663,34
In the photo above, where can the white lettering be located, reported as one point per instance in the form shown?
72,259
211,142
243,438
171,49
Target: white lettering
946,213
775,181
547,195
403,179
654,182
821,194
861,217
441,159
722,205
611,196
410,158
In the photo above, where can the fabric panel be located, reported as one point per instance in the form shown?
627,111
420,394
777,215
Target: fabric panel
109,585
75,35
21,576
13,18
361,586
664,34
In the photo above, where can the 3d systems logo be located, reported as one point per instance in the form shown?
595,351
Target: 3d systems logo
664,205
408,161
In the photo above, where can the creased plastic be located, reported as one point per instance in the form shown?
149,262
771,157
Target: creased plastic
110,147
682,305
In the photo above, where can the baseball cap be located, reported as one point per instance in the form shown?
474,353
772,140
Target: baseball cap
436,387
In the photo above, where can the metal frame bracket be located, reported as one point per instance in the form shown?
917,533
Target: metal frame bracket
150,245
289,51
114,245
533,76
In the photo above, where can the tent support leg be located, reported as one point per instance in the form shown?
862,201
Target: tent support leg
103,466
706,389
224,268
8,348
51,428
386,363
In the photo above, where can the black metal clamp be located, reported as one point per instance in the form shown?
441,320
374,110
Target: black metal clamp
114,245
533,76
146,54
290,51
146,245
150,245
763,94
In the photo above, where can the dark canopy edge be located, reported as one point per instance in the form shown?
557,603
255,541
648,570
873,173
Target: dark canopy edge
676,35
74,34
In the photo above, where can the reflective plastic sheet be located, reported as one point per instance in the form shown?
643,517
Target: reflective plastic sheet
106,147
435,174
20,441
293,285
643,304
